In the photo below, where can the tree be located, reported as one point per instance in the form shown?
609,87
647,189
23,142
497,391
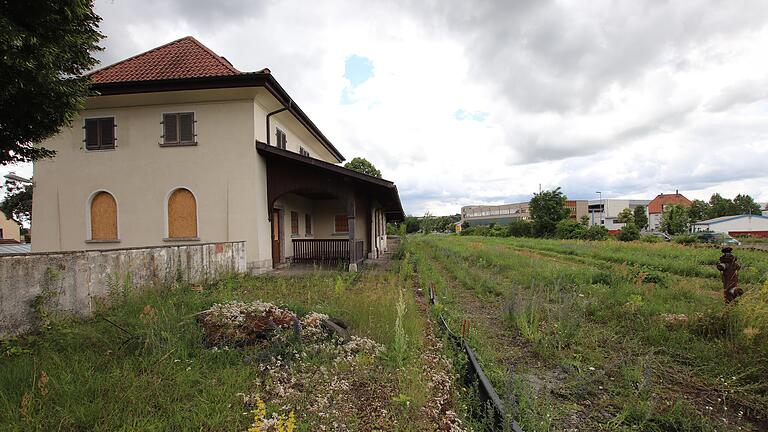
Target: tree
364,166
584,220
720,206
626,216
45,48
412,224
629,232
547,208
746,205
699,210
675,220
428,223
641,217
17,204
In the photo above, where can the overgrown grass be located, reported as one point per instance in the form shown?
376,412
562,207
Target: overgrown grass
668,257
141,365
627,340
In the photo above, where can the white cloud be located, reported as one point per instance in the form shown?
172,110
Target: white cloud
632,98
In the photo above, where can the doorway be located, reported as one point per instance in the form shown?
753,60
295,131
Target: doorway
277,225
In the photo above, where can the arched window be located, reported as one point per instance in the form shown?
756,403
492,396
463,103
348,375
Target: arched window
103,216
182,214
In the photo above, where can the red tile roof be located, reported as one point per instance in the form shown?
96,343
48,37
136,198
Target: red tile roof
182,58
661,200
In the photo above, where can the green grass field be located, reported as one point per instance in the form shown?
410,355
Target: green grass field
155,374
607,335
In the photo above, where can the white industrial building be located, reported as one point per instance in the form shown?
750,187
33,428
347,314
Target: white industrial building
747,224
606,211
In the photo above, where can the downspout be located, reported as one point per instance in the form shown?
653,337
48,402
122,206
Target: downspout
278,111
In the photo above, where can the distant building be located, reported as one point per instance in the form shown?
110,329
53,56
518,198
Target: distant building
505,213
498,214
606,211
578,208
764,207
10,230
657,206
752,225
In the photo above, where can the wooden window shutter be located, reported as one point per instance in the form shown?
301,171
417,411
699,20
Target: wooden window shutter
170,131
107,129
91,134
103,217
182,214
294,222
308,224
341,223
186,127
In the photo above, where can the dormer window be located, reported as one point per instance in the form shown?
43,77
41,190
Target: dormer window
100,133
282,140
179,129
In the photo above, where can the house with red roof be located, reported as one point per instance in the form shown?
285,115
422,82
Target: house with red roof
657,206
177,146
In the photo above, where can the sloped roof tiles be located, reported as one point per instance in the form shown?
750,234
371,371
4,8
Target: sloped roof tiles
182,58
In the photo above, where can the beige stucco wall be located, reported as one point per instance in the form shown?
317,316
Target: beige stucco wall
11,230
224,171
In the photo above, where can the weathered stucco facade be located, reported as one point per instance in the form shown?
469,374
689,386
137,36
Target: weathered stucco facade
222,168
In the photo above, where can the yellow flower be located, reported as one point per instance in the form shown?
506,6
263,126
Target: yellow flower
259,412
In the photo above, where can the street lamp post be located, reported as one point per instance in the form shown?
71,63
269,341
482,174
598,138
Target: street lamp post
602,207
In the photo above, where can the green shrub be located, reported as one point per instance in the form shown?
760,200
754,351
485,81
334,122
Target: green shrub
685,239
595,232
520,228
629,232
569,229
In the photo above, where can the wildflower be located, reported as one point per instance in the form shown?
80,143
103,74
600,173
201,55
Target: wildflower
259,412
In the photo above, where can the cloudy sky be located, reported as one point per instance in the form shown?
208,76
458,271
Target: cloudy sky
465,102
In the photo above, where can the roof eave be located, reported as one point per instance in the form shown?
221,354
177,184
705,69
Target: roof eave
397,214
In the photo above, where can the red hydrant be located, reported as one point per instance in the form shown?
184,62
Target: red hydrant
730,270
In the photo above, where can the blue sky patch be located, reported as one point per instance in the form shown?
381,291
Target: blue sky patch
358,69
479,116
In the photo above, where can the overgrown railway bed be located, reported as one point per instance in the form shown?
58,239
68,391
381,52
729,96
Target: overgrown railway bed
574,338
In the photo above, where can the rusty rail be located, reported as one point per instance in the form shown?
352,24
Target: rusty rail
475,375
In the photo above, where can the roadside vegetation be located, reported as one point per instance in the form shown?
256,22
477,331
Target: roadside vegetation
607,336
142,363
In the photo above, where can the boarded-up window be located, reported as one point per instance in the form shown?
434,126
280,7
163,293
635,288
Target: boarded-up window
182,214
100,133
341,223
103,217
294,223
179,128
307,224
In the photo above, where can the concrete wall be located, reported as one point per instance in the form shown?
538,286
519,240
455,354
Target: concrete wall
76,279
